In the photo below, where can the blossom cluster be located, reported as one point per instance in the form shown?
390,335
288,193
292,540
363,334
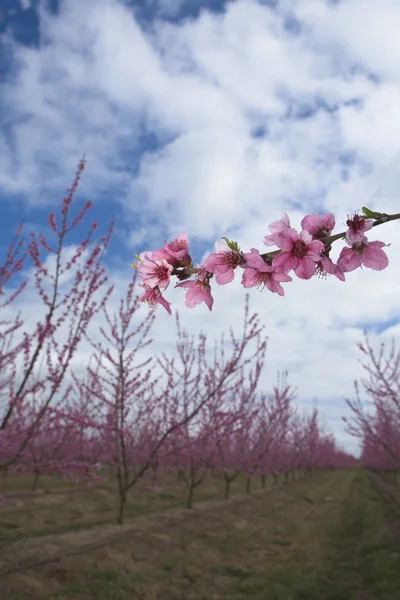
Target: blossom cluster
306,253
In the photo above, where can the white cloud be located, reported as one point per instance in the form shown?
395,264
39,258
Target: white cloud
361,31
203,86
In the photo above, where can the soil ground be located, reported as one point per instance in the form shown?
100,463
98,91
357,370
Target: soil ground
335,536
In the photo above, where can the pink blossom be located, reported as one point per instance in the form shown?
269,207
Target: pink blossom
161,253
319,225
369,254
175,253
222,263
153,296
179,249
155,272
258,273
276,228
326,266
199,290
357,227
301,253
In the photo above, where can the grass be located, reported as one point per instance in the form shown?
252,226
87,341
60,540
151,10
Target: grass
65,509
363,558
333,537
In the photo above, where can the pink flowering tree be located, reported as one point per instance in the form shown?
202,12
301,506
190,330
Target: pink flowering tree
146,399
273,427
201,391
244,409
121,382
58,333
378,427
204,438
13,263
280,412
194,451
54,449
226,433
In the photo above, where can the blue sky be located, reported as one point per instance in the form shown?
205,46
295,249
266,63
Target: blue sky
215,117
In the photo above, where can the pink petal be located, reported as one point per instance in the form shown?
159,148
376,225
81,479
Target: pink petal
348,260
354,236
224,277
251,278
315,249
287,238
210,262
306,237
284,262
375,258
306,268
311,222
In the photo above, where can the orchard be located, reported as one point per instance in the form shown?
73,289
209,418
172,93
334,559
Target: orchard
191,425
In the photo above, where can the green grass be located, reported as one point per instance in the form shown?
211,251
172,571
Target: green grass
106,584
363,557
333,537
73,509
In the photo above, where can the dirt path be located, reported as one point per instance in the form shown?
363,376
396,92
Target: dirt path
363,558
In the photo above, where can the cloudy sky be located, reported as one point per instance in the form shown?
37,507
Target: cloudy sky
214,117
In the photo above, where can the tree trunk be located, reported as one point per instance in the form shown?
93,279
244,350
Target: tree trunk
190,496
248,483
35,481
122,502
227,487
